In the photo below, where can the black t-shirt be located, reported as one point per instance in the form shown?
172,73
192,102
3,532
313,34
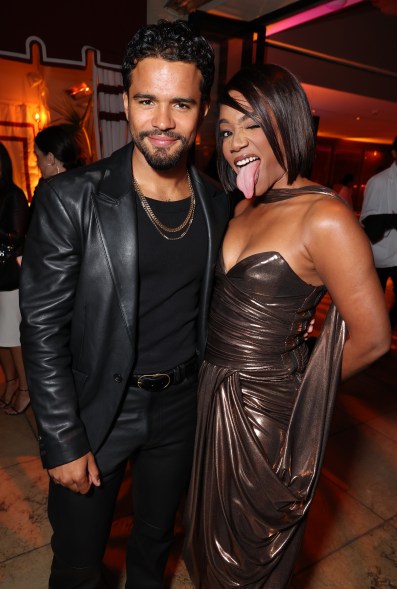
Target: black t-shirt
170,275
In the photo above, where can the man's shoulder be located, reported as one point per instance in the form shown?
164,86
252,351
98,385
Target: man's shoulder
211,186
212,183
380,178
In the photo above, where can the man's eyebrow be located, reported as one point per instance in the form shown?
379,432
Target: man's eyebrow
139,95
183,99
175,99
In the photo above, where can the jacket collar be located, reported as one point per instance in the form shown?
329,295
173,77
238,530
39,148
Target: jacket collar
116,209
116,213
117,180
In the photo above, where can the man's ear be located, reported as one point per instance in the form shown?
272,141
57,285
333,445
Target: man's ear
204,109
125,102
51,158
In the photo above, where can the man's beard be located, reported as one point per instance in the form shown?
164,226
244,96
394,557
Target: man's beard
160,159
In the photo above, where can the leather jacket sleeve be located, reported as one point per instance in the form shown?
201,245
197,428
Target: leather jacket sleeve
49,279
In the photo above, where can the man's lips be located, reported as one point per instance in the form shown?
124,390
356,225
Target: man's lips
161,140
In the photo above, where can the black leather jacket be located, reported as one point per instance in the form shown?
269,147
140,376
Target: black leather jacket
14,219
79,299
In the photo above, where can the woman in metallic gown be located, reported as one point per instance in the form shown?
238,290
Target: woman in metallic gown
265,403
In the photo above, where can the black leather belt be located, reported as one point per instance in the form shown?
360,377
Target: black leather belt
164,380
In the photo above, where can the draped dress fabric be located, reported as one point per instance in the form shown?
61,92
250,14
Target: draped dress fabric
264,411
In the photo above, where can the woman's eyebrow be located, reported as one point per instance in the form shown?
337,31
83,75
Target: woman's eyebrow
243,118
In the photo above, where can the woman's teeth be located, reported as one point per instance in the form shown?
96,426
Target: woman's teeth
246,161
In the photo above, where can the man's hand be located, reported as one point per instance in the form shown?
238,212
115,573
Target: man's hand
78,475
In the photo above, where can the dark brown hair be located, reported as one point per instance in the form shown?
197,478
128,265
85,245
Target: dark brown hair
278,104
172,41
61,141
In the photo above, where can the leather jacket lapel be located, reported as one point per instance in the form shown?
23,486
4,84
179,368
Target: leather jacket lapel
117,219
215,222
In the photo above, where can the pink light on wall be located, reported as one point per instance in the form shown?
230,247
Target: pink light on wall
308,15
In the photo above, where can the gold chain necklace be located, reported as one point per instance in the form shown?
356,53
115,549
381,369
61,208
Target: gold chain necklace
158,224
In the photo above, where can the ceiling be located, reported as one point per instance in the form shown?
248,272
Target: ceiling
342,114
241,10
351,116
248,10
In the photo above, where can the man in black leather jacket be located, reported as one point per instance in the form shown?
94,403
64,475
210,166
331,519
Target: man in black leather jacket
115,291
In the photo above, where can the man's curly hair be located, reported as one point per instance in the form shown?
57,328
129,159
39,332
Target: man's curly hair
172,41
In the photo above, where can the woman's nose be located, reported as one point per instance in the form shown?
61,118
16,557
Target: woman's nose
239,140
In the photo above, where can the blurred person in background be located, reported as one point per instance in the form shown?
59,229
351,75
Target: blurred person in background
14,216
57,150
379,218
345,189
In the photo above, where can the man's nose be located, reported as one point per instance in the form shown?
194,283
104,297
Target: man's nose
163,119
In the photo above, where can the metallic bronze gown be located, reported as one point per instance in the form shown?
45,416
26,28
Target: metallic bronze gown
263,418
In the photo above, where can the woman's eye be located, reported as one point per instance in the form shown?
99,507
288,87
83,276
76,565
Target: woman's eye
224,134
254,126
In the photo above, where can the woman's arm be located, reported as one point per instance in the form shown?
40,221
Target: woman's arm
342,258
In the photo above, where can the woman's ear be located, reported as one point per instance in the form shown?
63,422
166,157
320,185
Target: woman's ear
50,159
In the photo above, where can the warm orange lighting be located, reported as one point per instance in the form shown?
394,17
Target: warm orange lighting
79,90
37,117
358,118
255,37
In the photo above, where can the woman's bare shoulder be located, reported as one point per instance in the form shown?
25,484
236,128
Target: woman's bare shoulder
331,208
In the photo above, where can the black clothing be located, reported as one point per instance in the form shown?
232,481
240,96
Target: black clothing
80,303
375,226
157,431
384,274
14,218
79,299
166,327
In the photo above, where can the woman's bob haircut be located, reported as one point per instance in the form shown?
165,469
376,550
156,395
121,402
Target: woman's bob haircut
278,104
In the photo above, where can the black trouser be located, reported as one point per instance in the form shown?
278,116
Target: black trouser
157,431
384,274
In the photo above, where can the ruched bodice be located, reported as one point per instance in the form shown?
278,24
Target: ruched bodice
264,408
265,308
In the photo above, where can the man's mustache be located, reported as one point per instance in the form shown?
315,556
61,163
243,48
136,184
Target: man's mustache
170,134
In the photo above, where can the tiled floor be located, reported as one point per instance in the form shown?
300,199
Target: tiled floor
351,537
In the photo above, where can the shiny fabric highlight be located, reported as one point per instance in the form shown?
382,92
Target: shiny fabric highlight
265,407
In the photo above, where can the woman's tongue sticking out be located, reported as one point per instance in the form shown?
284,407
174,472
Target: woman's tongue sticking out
247,178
